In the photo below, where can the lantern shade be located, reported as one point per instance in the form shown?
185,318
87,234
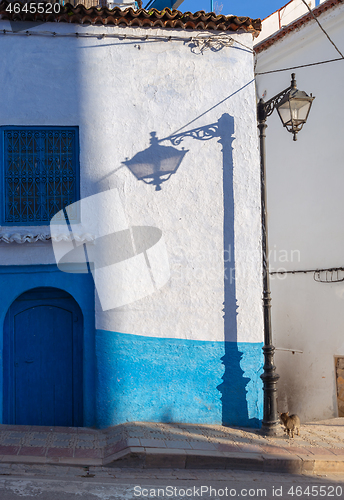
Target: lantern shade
293,110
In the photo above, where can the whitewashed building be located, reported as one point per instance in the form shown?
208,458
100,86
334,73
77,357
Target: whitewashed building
305,207
149,120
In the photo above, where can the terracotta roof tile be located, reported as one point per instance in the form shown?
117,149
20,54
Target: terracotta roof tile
264,44
141,17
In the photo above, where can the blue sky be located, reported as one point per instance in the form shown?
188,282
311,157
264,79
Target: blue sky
250,8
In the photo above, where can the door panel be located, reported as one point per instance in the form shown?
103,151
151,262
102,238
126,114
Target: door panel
340,385
43,360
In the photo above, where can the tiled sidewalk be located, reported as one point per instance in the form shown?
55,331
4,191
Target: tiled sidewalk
320,448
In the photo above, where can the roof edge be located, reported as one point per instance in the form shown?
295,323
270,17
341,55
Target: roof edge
130,17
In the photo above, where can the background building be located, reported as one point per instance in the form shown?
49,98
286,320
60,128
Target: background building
305,205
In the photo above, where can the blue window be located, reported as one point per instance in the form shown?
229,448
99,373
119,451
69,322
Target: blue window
40,173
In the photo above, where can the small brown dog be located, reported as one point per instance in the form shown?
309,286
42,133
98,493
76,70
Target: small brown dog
291,423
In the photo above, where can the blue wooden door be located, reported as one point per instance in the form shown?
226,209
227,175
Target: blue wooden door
43,360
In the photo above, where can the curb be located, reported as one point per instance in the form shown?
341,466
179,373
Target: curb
152,458
191,459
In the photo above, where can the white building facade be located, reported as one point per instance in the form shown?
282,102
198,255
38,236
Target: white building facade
305,206
86,113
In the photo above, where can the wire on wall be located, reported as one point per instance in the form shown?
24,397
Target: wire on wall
213,42
330,275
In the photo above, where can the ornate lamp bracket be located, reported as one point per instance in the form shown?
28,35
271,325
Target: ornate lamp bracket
265,109
201,134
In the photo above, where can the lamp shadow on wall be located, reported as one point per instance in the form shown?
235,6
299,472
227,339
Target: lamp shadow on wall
234,387
156,165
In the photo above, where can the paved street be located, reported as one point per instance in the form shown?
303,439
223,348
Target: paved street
20,482
319,448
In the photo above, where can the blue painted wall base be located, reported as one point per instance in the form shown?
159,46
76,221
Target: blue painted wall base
140,378
174,380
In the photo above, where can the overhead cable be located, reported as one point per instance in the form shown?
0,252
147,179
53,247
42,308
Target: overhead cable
300,66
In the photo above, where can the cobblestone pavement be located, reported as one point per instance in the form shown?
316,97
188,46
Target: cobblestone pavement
319,448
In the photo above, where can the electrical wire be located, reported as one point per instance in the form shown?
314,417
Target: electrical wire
203,41
305,271
300,66
331,274
217,42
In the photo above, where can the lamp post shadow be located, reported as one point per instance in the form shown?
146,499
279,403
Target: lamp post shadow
156,165
236,386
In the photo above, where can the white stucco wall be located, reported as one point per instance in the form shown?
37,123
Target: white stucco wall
117,92
305,204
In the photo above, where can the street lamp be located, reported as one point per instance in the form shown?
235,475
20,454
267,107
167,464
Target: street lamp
293,107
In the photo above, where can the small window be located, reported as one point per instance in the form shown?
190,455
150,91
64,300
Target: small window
40,174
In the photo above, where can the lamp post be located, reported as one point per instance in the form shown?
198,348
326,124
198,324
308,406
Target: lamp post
293,107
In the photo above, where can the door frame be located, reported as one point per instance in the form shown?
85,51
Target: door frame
44,296
15,280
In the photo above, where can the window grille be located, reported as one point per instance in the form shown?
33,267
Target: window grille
40,173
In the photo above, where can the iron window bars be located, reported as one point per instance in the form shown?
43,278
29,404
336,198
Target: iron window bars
40,173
